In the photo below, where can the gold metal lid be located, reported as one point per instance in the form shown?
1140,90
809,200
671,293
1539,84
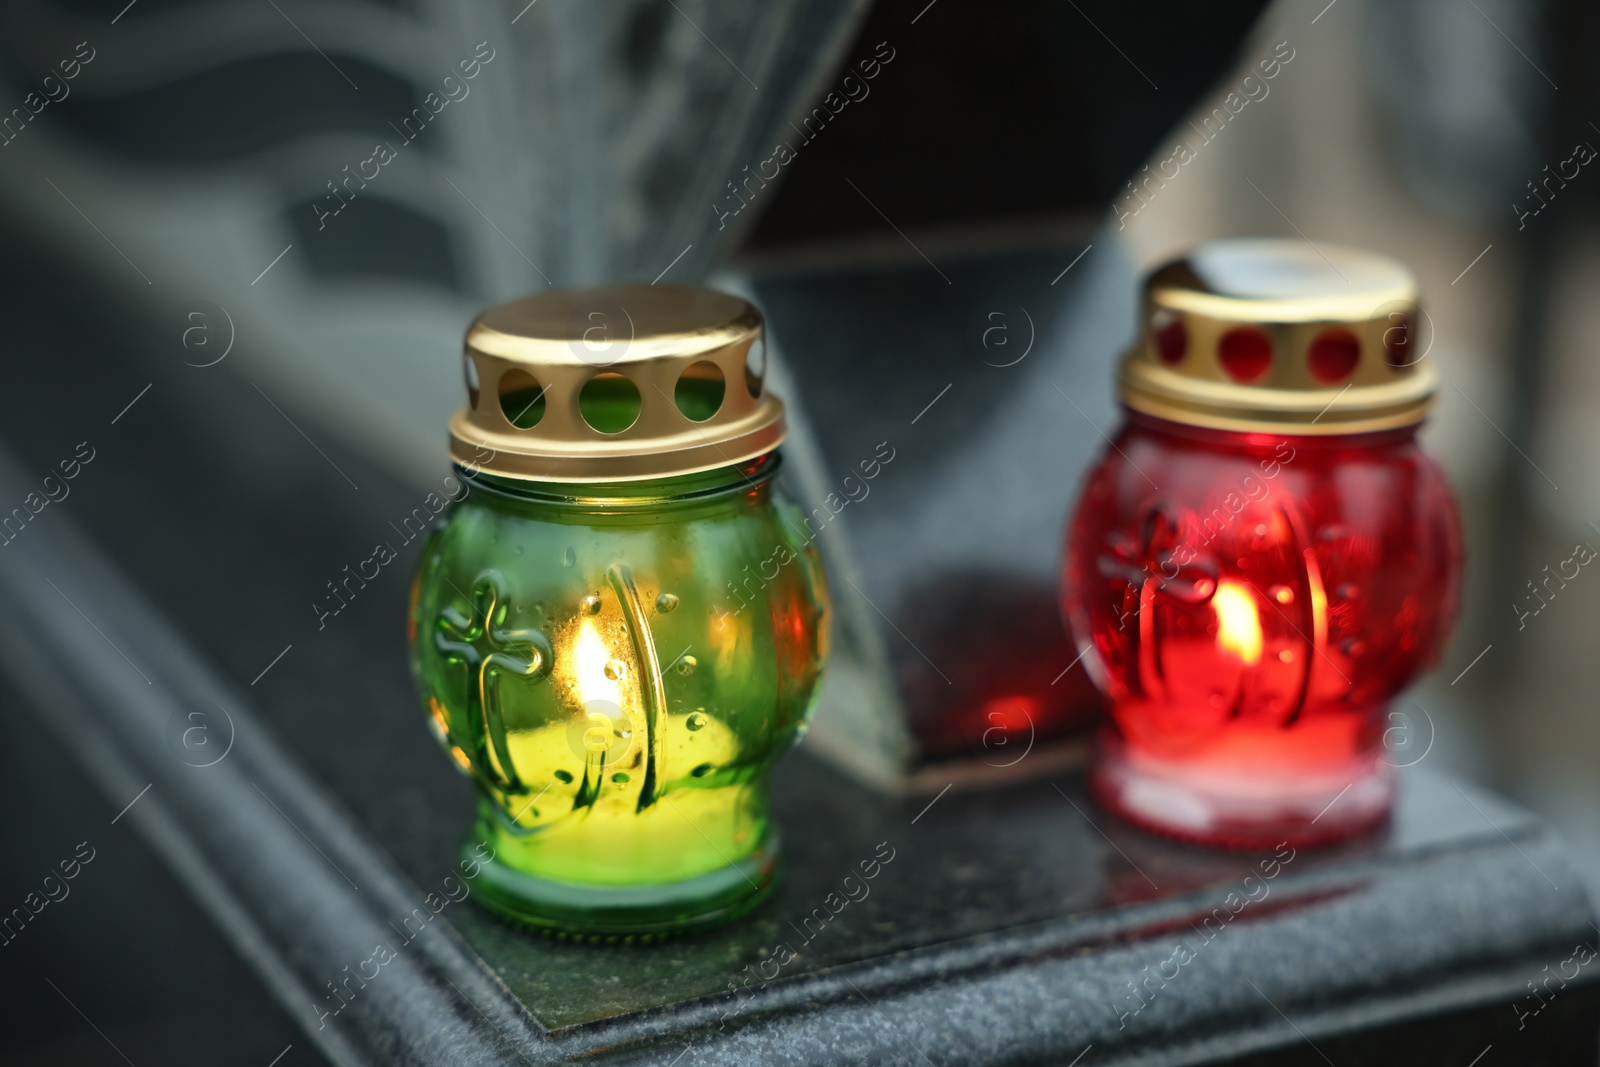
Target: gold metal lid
550,377
1280,336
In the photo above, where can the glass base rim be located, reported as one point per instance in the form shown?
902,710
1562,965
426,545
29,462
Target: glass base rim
1248,820
625,914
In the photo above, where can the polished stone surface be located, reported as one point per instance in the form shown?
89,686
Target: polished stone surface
975,872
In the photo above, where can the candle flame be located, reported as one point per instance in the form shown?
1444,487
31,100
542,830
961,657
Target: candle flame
589,658
1238,625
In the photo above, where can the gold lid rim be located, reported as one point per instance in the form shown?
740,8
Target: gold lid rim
1166,394
556,325
610,460
1330,309
1377,282
488,341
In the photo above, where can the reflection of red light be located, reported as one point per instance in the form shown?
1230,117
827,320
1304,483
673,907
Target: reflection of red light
1250,619
1333,356
1007,669
1011,715
792,619
1245,353
1172,341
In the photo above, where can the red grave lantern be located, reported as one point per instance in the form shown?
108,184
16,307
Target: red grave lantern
1264,557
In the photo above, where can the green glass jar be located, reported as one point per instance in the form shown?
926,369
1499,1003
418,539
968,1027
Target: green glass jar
618,662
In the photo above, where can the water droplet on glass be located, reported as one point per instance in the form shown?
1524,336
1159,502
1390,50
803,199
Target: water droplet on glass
517,549
687,664
1282,594
666,602
1217,700
616,670
591,605
569,558
702,770
1286,655
1353,647
564,776
696,721
1348,591
621,778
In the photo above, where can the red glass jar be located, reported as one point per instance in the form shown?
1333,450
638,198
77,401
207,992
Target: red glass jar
1263,558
